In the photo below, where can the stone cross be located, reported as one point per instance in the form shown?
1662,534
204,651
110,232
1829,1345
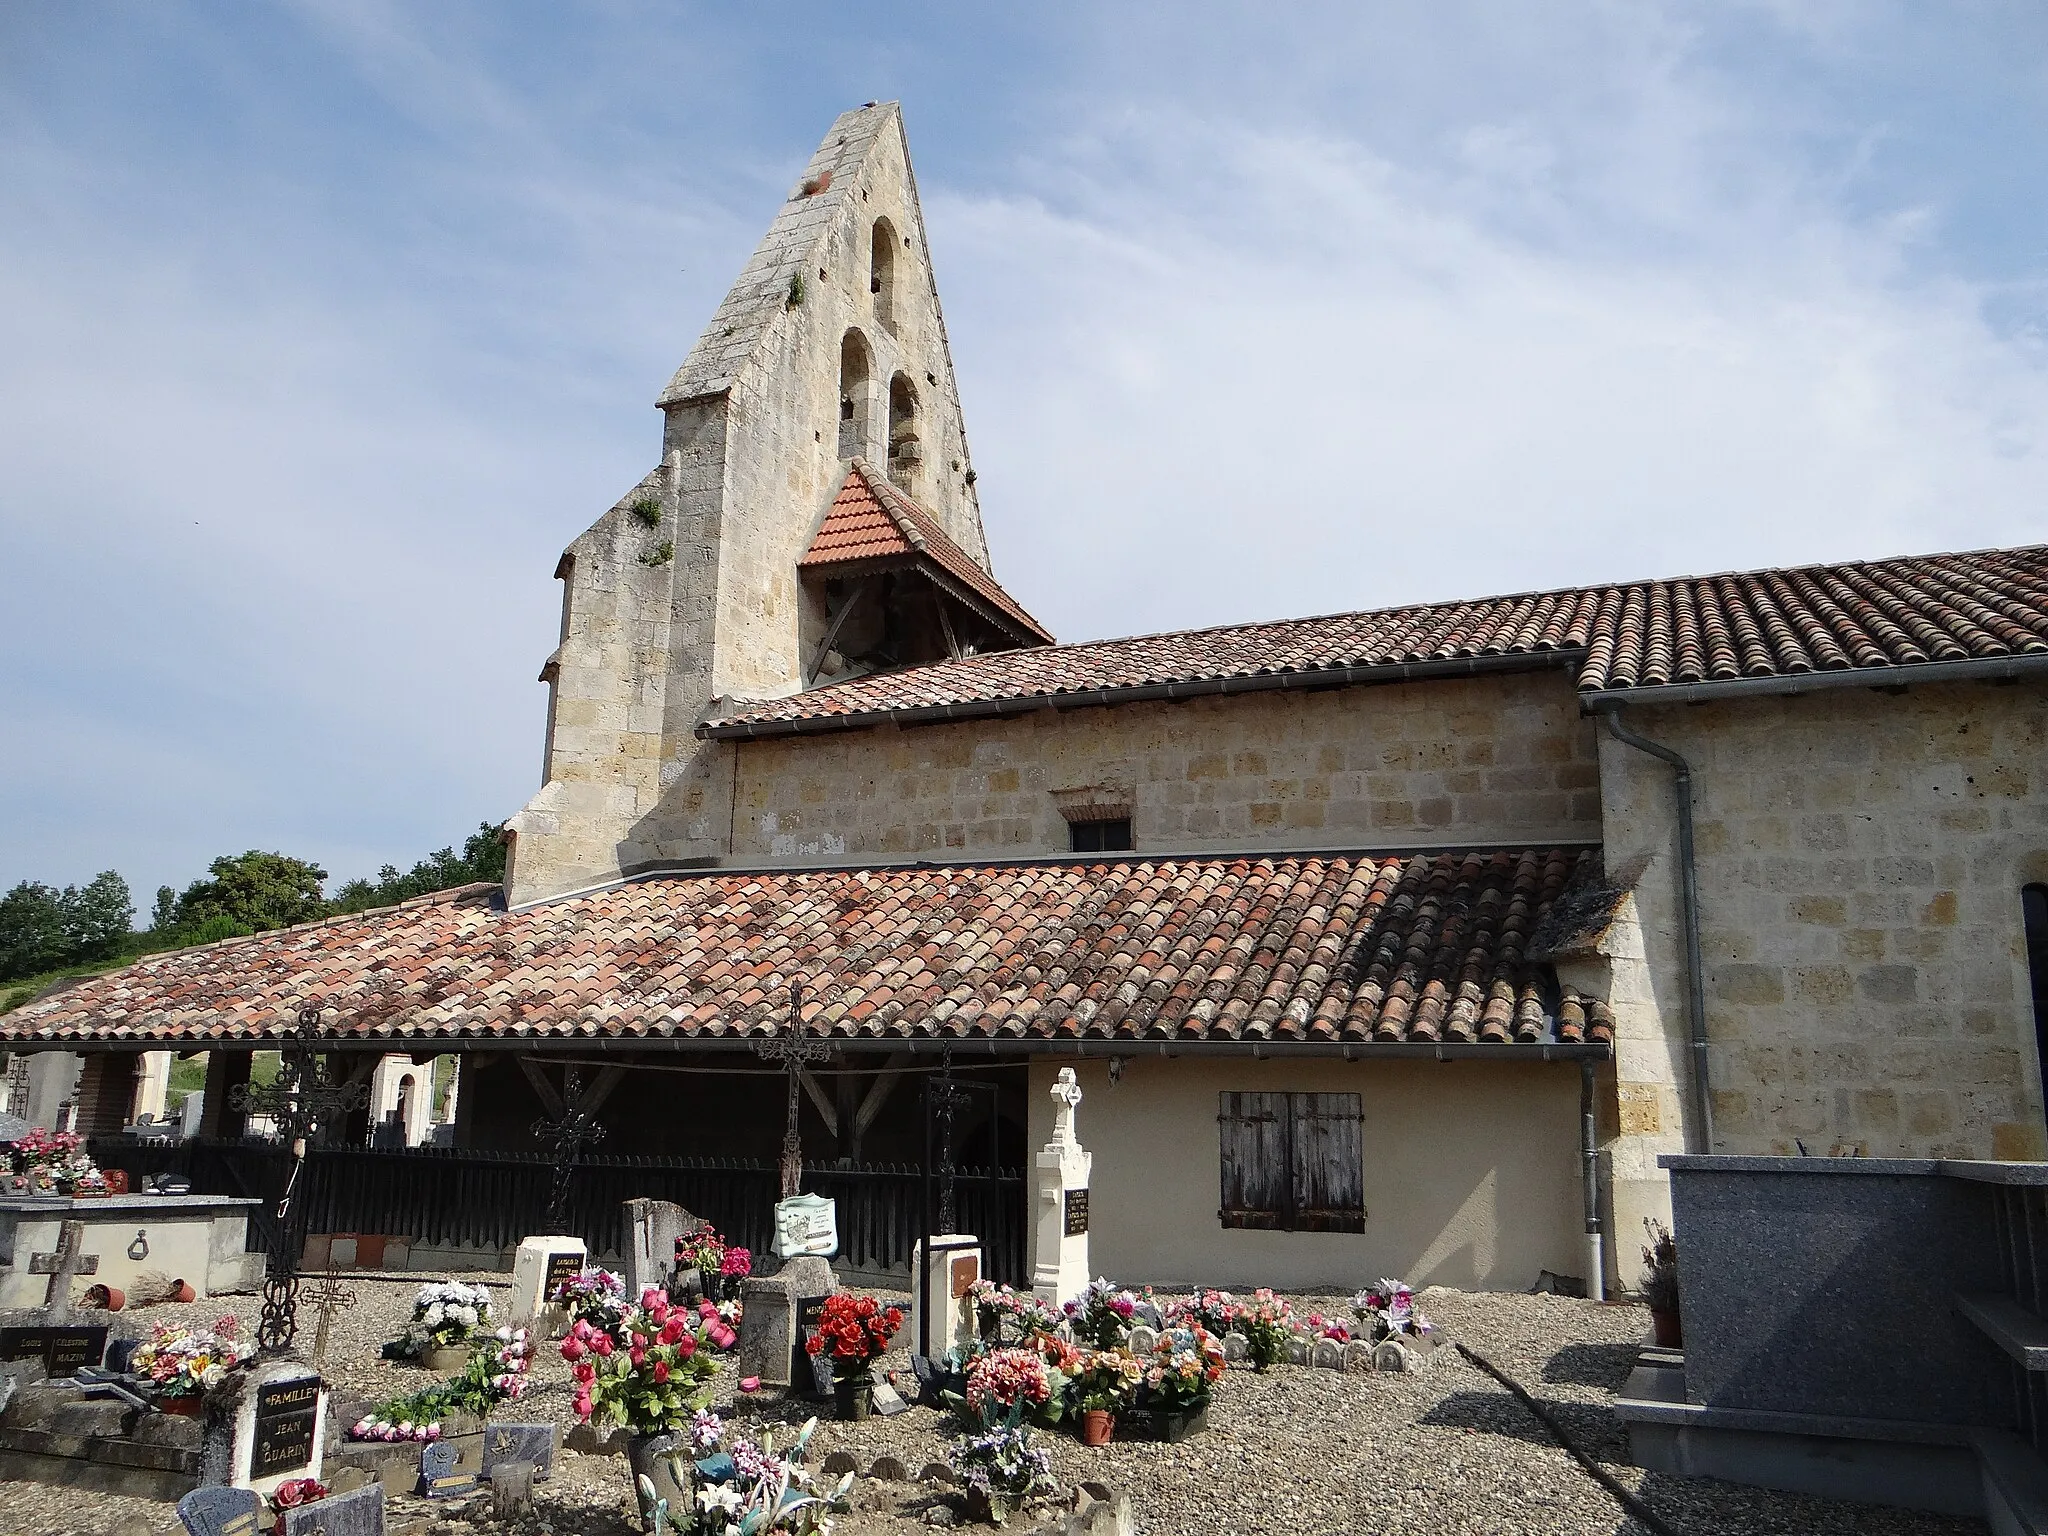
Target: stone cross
1068,1093
63,1266
795,1050
577,1125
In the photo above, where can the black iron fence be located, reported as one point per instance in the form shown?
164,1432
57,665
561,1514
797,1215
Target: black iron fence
447,1196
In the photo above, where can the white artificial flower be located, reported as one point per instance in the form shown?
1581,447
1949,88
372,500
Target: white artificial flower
719,1497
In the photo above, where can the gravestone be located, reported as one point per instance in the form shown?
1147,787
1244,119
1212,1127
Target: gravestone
652,1229
533,1443
442,1475
63,1349
1062,1169
1326,1354
955,1266
1357,1357
1143,1340
1297,1351
537,1260
279,1426
813,1370
769,1339
1236,1347
360,1513
888,1402
220,1512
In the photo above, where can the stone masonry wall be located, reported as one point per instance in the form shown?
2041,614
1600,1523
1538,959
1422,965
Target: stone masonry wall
1860,858
1495,759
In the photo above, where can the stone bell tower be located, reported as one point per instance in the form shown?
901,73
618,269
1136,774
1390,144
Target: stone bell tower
686,594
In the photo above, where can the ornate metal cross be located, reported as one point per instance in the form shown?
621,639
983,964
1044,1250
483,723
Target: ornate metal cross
305,1099
577,1125
330,1296
796,1051
947,1098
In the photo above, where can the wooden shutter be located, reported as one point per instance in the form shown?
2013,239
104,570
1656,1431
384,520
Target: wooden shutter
1252,1130
1327,1163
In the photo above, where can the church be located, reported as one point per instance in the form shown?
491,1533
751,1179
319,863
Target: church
1399,942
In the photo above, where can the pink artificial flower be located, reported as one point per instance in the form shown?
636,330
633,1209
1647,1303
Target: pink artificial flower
672,1330
585,1372
572,1350
602,1343
750,1383
660,1372
637,1355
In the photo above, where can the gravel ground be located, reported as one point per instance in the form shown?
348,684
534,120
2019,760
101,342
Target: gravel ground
1294,1451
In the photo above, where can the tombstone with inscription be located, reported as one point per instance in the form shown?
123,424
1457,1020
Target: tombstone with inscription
1060,1272
652,1229
61,1349
533,1443
769,1336
356,1513
279,1428
442,1475
955,1265
220,1512
542,1264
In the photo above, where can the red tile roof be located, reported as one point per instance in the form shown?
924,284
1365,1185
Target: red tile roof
871,519
1416,949
1762,624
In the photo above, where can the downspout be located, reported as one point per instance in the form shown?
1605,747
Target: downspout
1702,1138
1589,1170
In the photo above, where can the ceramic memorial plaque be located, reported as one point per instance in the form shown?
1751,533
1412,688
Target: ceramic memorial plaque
1144,1340
1326,1354
1297,1350
220,1512
887,1400
360,1513
1357,1356
441,1473
520,1442
1236,1347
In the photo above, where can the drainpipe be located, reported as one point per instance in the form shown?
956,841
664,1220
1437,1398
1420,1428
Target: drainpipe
1589,1169
1702,1138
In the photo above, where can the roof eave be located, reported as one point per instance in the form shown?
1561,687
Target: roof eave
1975,669
1258,682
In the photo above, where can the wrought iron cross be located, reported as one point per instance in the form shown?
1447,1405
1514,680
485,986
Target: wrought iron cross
305,1099
330,1296
947,1098
576,1126
795,1050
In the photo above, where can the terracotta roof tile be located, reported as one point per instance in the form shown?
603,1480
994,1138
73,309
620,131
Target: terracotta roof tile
1774,623
872,519
1309,947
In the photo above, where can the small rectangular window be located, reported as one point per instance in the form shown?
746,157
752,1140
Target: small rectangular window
1291,1162
1101,836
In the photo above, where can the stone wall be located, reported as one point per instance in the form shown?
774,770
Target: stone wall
1504,758
1860,859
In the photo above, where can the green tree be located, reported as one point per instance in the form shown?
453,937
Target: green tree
253,891
31,930
164,915
96,918
482,858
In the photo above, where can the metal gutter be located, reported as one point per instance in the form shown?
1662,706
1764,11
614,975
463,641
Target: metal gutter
1689,890
1258,682
1977,669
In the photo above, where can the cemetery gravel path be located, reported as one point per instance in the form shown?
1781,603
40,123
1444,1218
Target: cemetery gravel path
1293,1451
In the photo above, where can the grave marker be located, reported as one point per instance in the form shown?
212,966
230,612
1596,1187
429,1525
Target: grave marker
441,1473
360,1513
63,1266
542,1263
1062,1170
520,1442
279,1428
62,1349
220,1512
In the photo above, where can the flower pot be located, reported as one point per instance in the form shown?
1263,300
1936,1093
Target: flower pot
105,1298
446,1359
1097,1425
187,1407
182,1291
649,1456
854,1396
1665,1330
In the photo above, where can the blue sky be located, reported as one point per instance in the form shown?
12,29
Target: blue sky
325,326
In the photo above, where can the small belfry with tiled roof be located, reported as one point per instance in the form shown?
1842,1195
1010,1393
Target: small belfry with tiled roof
819,400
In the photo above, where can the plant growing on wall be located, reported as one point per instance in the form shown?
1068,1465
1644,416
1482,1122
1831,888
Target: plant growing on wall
661,554
647,509
796,289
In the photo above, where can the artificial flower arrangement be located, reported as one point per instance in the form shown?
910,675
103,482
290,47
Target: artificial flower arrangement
1003,1379
1317,1326
744,1488
496,1373
1267,1323
593,1296
1386,1309
53,1162
446,1314
652,1377
1102,1314
182,1361
1000,1468
294,1493
1215,1312
853,1330
1007,1317
1183,1370
1108,1381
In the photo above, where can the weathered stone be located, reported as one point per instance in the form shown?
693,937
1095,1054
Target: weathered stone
838,1463
936,1472
889,1470
511,1489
